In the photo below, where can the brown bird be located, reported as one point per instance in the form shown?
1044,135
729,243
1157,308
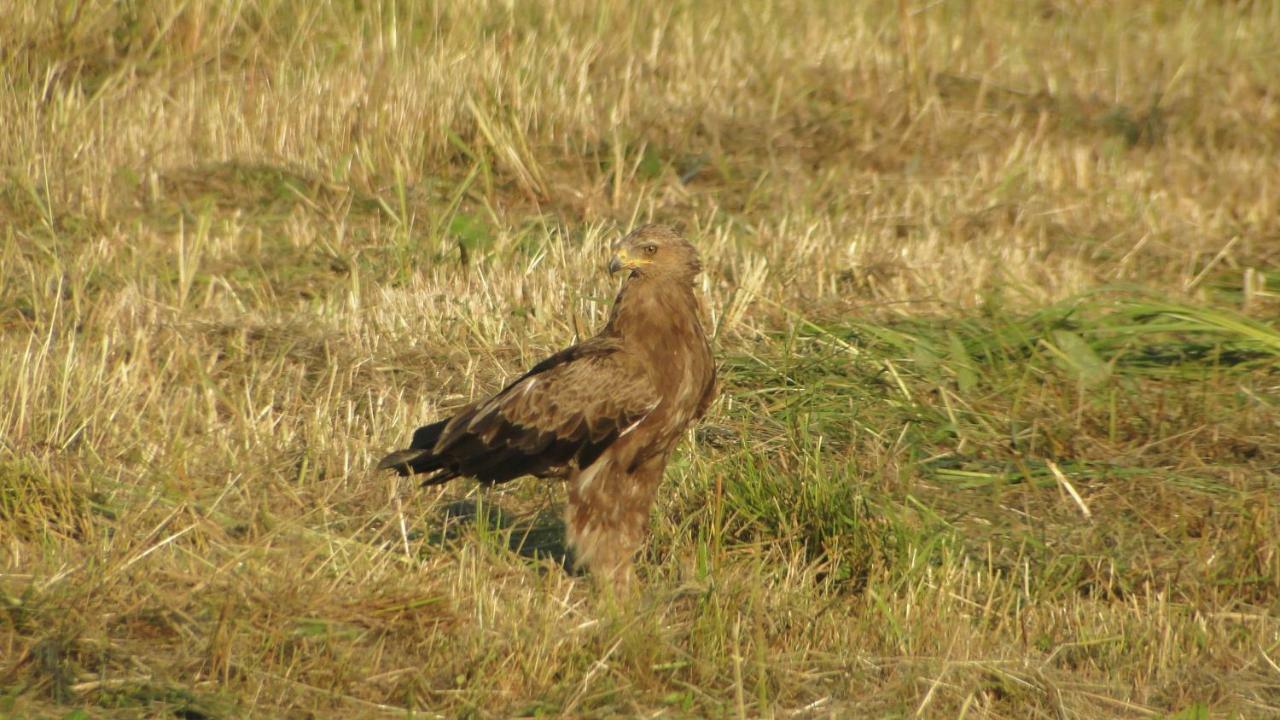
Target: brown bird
604,414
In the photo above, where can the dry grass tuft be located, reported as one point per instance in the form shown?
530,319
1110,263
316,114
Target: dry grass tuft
993,284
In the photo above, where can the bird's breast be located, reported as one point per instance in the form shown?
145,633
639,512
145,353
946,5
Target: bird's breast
687,372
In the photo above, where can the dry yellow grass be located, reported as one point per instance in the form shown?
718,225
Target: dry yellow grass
245,247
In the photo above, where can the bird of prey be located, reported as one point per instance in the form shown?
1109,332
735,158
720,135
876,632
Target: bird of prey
604,414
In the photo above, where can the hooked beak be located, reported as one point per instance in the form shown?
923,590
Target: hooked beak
619,261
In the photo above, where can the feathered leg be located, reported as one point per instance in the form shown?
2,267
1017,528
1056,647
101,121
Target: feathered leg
607,518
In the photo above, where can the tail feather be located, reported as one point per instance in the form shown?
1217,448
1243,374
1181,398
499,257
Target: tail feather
425,437
404,461
420,457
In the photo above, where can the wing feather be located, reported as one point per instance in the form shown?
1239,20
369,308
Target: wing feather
570,406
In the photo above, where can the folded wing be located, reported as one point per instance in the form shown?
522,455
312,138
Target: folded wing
567,409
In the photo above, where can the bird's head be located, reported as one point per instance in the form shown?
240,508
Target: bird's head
655,251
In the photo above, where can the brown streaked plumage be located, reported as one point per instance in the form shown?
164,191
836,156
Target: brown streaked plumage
604,414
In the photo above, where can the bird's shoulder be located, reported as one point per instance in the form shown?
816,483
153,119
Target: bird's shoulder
599,376
601,355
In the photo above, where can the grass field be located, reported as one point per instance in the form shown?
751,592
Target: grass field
993,283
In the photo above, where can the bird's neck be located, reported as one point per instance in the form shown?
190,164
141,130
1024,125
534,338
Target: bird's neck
643,306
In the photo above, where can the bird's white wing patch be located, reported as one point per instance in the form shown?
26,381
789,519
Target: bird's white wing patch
588,476
633,425
649,411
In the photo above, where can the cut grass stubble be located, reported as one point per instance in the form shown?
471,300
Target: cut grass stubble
992,286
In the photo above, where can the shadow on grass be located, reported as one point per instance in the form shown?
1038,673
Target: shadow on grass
539,536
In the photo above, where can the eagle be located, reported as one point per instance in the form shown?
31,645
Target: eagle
604,414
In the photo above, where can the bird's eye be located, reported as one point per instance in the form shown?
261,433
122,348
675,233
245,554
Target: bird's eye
650,249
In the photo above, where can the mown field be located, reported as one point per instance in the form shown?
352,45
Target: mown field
994,288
